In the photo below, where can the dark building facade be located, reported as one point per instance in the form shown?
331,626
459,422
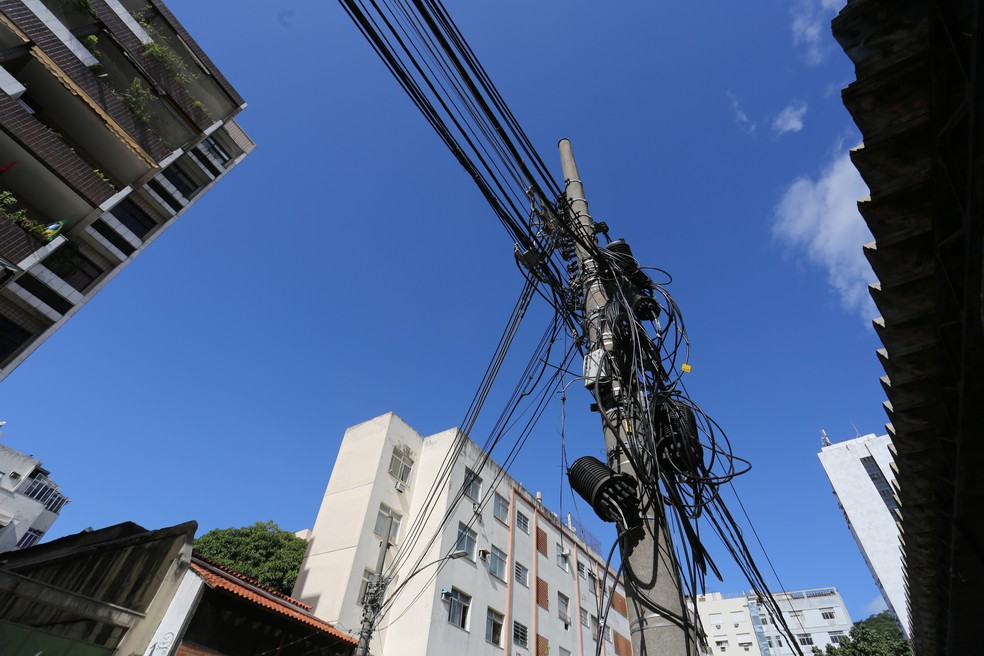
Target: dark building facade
917,101
113,121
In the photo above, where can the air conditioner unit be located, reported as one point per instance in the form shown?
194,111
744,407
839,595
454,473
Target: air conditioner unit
565,553
15,475
445,595
484,554
477,508
401,486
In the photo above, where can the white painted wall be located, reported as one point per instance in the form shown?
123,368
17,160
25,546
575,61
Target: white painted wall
19,513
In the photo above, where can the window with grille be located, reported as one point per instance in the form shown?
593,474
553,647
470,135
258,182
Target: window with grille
562,557
493,627
30,538
582,571
401,465
467,539
500,508
458,604
522,522
497,563
473,485
522,574
521,635
542,646
541,541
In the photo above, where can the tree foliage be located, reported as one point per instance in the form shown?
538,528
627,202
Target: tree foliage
876,636
264,552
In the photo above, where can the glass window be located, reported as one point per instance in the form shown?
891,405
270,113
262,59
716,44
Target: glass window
135,219
497,563
467,540
522,522
385,512
721,642
584,616
827,613
500,508
836,637
608,633
562,556
881,483
522,574
521,635
473,485
594,627
563,652
458,604
564,607
401,465
493,627
363,586
804,639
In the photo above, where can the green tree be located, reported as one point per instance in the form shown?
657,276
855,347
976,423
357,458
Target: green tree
264,552
876,636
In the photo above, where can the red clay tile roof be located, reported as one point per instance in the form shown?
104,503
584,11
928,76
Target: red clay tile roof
217,576
253,582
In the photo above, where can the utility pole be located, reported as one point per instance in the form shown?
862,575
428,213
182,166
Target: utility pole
372,603
651,572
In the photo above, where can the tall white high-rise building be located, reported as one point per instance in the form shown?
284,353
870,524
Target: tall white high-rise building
860,471
526,583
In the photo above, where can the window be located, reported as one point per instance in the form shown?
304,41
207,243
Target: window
30,538
836,637
466,540
522,574
385,512
827,613
562,556
473,485
217,151
563,607
541,541
592,581
608,633
364,586
497,563
766,619
563,652
500,508
778,641
135,219
181,181
721,642
745,641
401,465
542,594
522,522
804,639
73,267
880,482
458,604
584,616
493,627
737,616
768,641
594,627
582,571
796,615
521,635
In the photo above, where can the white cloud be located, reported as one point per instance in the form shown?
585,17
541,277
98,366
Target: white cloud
875,606
819,219
811,27
789,119
741,118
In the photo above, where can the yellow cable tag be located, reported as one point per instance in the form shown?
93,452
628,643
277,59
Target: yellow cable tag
686,368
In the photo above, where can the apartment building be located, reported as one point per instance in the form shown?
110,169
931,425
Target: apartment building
494,573
113,122
30,501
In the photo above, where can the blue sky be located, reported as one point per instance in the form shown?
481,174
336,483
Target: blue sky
349,267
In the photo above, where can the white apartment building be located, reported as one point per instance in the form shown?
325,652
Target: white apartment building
528,584
741,624
860,471
29,500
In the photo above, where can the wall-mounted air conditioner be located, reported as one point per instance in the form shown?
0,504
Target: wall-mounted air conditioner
484,554
401,486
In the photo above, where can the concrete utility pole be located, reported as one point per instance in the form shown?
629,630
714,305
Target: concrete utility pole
651,577
373,601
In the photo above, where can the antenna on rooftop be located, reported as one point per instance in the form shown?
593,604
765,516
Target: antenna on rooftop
824,440
857,433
